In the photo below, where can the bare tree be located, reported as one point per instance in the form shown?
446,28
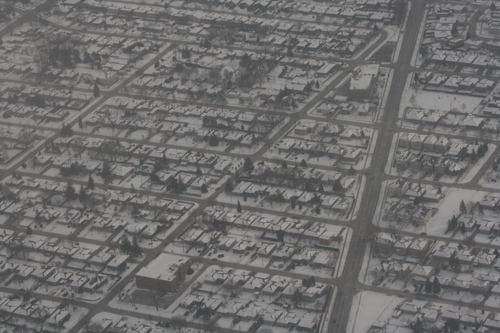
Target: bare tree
214,76
470,207
109,150
211,325
41,314
178,321
265,330
412,99
131,298
157,300
227,34
16,250
93,327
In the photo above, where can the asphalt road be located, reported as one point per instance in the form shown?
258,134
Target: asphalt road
362,227
474,22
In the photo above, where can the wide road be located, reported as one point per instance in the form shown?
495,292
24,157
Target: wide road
362,228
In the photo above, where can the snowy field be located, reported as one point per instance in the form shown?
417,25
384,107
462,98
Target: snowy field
367,308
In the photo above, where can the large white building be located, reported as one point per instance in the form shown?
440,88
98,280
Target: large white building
164,274
360,86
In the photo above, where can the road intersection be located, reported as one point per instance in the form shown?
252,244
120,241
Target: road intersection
347,283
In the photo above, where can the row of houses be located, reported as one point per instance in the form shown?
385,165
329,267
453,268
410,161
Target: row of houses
104,259
227,125
457,84
439,253
79,282
417,162
430,314
344,152
122,326
399,187
35,310
492,108
191,76
267,247
290,227
21,139
149,214
427,142
70,216
281,289
321,180
101,148
183,13
404,212
336,203
443,262
388,244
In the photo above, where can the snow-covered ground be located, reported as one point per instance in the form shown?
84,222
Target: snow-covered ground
438,224
369,307
431,100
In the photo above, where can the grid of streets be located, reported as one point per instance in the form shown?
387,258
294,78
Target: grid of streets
265,166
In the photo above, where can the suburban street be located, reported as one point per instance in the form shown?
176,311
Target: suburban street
362,227
386,123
